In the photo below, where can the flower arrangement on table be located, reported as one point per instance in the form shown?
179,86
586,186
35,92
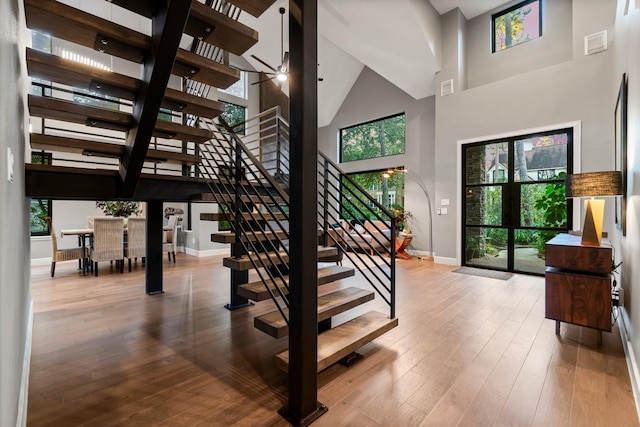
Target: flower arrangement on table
123,209
402,218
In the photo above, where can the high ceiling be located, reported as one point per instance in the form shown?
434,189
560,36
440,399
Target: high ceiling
398,39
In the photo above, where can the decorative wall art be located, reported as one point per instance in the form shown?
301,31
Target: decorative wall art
620,125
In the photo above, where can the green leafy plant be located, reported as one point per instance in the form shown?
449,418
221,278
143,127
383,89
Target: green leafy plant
123,209
553,204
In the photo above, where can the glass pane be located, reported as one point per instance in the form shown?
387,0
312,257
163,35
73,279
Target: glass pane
239,88
388,192
40,209
541,157
486,164
543,205
529,249
484,205
486,247
95,99
517,26
373,139
234,114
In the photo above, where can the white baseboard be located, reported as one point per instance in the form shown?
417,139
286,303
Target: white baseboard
36,262
632,365
210,252
26,363
445,260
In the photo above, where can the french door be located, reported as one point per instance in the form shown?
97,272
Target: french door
514,199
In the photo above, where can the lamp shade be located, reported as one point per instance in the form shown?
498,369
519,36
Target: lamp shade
593,184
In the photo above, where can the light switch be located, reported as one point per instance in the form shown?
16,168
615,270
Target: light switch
10,163
444,202
443,211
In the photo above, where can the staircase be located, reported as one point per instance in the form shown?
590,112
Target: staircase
249,176
111,140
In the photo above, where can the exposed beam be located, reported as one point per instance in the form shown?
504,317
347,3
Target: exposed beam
167,26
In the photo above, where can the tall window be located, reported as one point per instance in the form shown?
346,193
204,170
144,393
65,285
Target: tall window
518,24
234,114
40,208
378,138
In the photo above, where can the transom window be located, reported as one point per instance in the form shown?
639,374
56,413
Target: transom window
518,24
378,138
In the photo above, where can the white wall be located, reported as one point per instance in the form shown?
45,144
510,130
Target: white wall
15,298
554,47
575,90
372,97
626,47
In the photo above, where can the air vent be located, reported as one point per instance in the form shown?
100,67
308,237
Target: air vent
595,43
446,87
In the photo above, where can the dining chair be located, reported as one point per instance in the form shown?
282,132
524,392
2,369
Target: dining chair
59,255
171,238
108,242
136,246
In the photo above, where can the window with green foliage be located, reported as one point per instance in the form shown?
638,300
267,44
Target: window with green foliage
40,208
518,24
389,192
234,114
95,99
378,138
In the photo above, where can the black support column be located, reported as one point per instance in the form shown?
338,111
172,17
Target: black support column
153,266
303,406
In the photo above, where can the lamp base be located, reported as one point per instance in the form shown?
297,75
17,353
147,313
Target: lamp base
592,228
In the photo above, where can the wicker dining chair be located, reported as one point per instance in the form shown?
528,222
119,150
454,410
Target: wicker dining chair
108,242
136,246
59,255
171,238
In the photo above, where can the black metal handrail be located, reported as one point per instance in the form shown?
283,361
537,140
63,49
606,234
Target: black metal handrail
259,162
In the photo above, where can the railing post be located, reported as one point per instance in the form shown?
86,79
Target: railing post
325,204
392,297
237,277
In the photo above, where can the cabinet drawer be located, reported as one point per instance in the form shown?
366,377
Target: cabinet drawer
580,299
565,251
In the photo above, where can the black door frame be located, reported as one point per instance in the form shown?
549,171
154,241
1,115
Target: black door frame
511,194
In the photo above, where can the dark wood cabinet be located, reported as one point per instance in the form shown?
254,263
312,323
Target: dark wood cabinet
578,283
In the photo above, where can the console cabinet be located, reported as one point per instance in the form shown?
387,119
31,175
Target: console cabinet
578,283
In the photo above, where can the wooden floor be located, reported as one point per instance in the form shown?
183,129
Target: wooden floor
469,351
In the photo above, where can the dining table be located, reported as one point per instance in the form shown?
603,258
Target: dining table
84,234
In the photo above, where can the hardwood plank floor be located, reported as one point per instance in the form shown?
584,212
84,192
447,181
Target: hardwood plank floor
468,351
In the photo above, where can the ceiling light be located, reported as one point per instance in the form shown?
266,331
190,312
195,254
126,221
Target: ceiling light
281,76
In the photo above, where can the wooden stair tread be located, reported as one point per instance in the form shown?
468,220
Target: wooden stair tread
224,32
106,149
229,199
257,291
253,7
263,216
74,25
261,235
59,109
55,68
207,24
204,70
329,305
339,342
244,262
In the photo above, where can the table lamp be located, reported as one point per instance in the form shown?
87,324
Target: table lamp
593,184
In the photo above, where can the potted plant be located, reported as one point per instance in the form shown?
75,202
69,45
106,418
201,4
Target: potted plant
123,209
402,217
